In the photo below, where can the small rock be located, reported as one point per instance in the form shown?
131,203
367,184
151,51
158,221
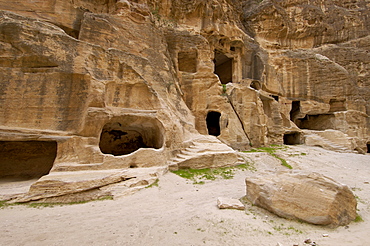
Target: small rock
229,203
307,241
279,244
296,244
366,182
325,235
346,227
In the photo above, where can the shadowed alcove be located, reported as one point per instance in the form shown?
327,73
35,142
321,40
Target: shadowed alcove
26,159
317,122
187,61
127,134
368,147
294,112
213,123
292,138
223,67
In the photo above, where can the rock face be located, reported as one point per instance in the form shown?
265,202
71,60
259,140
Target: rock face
310,197
124,84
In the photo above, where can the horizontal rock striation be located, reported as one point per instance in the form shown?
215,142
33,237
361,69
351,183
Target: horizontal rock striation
125,84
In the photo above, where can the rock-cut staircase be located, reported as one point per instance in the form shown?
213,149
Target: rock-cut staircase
329,139
204,152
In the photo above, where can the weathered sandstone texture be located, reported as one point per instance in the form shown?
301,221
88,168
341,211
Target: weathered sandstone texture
229,203
117,84
310,197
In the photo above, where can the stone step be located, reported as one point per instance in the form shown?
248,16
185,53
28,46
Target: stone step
313,138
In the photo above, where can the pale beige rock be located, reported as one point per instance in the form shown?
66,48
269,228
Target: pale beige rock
229,203
205,152
310,197
329,139
124,84
88,185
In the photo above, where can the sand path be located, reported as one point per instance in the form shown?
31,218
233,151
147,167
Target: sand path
178,212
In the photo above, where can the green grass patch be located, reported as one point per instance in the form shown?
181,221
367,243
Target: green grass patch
358,218
154,184
198,176
271,150
287,230
3,204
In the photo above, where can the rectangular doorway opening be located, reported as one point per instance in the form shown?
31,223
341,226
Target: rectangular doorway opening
223,67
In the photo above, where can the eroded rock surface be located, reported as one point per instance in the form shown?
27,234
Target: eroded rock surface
310,197
125,84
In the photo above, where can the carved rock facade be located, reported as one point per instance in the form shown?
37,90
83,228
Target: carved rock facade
109,84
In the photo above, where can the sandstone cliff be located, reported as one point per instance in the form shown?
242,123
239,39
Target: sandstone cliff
119,84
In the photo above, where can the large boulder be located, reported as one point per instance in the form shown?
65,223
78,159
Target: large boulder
306,196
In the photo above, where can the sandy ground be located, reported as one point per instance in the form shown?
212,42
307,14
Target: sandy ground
178,212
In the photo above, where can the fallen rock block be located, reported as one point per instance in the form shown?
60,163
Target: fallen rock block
89,185
229,203
310,197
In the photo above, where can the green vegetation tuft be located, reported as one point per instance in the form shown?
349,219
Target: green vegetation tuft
271,150
358,218
224,88
3,204
154,184
287,230
199,175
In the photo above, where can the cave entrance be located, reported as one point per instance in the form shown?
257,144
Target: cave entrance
317,122
26,159
213,123
292,138
130,133
294,112
223,67
368,147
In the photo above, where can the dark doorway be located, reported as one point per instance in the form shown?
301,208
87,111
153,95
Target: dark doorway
26,159
292,138
296,107
223,67
213,123
368,147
